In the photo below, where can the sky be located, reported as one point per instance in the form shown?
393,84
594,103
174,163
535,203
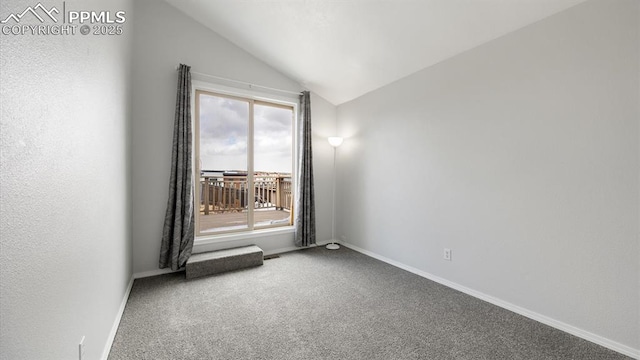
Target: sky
224,125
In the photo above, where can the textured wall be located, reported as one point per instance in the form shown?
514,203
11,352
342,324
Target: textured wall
65,255
165,37
521,156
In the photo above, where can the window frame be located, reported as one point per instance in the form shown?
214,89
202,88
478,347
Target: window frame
253,97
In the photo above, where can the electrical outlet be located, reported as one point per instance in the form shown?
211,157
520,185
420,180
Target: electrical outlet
447,254
81,350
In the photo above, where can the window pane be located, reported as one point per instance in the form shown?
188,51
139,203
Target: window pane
273,162
224,195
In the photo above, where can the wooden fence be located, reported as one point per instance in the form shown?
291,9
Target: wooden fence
230,193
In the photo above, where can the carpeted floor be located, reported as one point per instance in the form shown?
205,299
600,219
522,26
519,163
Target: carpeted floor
322,304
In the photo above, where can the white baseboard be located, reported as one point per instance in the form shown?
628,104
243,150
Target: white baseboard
602,341
144,274
116,323
295,248
282,250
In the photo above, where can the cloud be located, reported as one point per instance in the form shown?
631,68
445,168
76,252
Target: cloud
274,119
224,129
222,118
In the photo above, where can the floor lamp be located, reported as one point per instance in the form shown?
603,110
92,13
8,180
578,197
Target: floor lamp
335,142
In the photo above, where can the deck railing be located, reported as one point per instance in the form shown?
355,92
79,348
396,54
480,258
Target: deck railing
220,194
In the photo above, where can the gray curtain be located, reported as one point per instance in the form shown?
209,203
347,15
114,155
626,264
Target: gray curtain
178,233
305,203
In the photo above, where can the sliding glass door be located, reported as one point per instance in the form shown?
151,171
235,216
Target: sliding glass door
244,150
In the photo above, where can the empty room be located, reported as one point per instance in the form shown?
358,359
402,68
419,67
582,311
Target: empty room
357,179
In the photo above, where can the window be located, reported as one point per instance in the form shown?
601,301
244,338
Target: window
244,158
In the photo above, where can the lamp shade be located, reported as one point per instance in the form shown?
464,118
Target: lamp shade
335,141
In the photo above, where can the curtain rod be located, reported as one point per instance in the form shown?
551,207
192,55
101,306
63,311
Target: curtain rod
251,86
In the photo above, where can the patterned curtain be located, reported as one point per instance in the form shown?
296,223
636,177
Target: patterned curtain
178,233
305,203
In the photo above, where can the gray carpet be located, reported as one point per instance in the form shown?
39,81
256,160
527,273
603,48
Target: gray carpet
322,304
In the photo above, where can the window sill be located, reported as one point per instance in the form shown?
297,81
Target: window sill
213,239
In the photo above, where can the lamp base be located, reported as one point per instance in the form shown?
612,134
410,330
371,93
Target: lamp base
333,246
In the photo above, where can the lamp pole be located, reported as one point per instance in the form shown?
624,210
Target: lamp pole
335,142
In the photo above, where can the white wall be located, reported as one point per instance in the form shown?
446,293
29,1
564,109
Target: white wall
165,37
65,257
521,156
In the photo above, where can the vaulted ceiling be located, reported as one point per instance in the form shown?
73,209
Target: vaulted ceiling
342,49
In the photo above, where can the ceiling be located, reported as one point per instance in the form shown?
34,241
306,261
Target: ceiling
342,49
